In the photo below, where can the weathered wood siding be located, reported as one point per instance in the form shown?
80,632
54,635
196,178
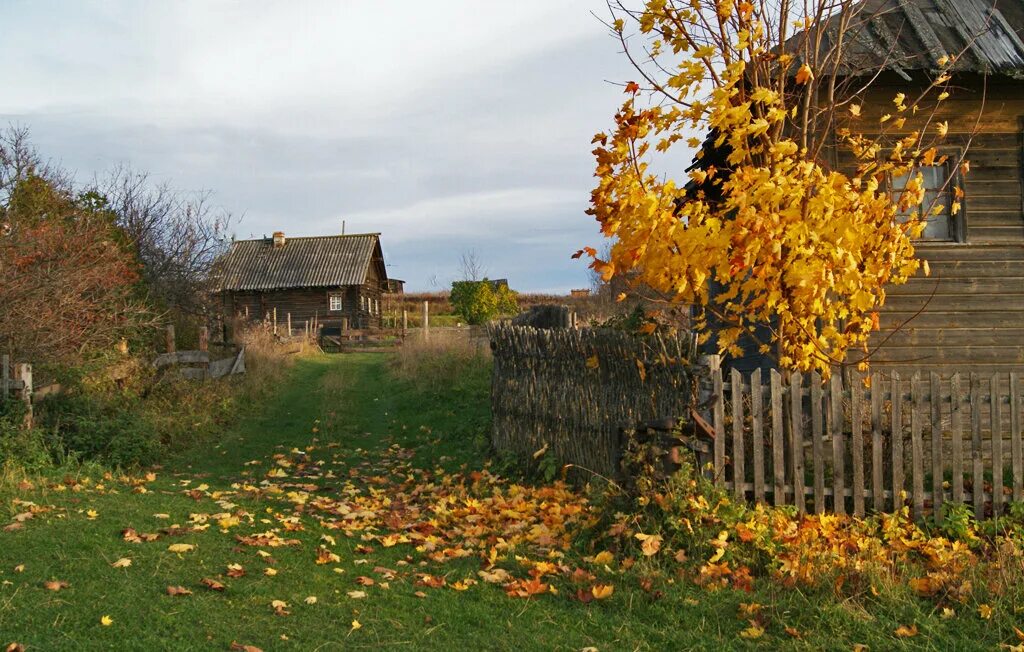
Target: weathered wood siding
972,305
307,304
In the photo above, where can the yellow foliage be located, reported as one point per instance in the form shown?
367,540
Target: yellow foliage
788,240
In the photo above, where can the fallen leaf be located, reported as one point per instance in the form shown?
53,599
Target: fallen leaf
906,632
649,543
212,584
20,568
270,571
355,625
602,591
794,632
15,647
604,558
55,585
753,632
238,647
123,562
106,621
235,570
181,547
310,600
92,514
985,611
357,595
178,590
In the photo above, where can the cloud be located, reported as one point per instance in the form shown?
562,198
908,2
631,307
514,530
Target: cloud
446,126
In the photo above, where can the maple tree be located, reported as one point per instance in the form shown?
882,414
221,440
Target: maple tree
775,237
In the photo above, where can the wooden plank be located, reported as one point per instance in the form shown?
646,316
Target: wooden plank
5,376
995,404
956,405
896,393
171,344
857,441
181,357
877,453
977,468
917,446
935,405
817,436
738,470
778,440
838,449
757,425
1015,437
797,440
719,417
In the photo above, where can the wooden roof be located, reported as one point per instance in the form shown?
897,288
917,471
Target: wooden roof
907,35
324,261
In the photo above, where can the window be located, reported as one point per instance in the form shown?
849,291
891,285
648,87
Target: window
943,226
362,303
336,302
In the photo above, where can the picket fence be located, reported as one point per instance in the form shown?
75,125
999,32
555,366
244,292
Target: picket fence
869,442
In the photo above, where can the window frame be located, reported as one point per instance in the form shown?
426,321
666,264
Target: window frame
958,222
331,297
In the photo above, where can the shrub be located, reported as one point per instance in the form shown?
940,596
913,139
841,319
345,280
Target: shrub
480,301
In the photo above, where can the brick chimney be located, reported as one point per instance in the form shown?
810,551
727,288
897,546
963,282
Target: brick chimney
279,239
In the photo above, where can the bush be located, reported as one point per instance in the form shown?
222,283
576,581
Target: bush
480,301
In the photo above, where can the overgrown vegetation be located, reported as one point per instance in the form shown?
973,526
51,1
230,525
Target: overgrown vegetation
137,420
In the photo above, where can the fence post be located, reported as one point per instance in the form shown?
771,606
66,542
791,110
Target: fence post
778,440
997,446
275,320
938,491
23,372
405,322
857,442
426,319
738,472
977,465
717,388
289,319
757,437
1015,441
5,376
204,346
838,445
896,400
170,339
796,402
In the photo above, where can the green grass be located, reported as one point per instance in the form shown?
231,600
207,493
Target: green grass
360,410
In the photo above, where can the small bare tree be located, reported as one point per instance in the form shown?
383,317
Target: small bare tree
471,268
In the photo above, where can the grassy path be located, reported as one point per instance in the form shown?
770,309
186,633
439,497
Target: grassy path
342,455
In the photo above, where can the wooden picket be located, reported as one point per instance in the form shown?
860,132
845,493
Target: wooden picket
890,447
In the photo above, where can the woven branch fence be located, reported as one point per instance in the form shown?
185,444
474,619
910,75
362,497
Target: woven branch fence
575,390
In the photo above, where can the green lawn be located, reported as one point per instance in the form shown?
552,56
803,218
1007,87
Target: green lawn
377,441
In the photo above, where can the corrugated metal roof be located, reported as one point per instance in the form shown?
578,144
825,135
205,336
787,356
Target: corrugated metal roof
906,35
326,261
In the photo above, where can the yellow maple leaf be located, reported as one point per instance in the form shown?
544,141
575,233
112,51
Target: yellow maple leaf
123,562
804,74
602,591
106,621
604,558
906,632
355,625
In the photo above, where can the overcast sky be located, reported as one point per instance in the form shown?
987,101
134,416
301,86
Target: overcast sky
447,126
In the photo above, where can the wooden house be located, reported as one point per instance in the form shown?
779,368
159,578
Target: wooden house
968,315
337,280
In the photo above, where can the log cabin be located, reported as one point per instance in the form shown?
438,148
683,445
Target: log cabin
337,280
968,315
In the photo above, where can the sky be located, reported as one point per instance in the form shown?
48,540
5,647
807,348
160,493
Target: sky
446,126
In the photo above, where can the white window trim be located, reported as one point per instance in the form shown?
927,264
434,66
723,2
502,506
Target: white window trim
332,298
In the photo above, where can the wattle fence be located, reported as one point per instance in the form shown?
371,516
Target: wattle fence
856,444
574,390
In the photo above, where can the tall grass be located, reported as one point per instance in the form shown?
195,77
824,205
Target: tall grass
140,421
444,359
